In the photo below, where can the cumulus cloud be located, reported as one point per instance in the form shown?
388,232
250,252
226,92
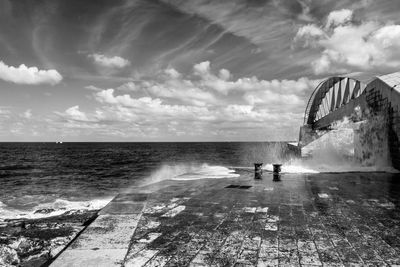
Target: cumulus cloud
224,85
348,46
74,114
310,34
28,75
109,62
339,17
148,105
129,86
205,102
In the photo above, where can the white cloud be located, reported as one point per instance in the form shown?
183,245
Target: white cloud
28,75
339,17
74,114
223,85
202,68
201,103
129,86
109,62
349,47
172,73
309,34
27,114
224,74
150,107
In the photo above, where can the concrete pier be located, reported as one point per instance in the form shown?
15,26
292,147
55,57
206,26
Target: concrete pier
304,220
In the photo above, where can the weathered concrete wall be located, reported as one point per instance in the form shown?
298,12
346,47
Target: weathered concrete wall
378,100
385,101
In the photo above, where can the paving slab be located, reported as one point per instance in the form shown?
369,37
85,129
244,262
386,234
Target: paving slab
92,258
347,219
123,208
108,232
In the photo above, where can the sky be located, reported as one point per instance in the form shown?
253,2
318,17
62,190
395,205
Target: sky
181,70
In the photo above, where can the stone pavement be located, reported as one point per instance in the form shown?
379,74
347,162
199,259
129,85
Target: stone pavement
349,219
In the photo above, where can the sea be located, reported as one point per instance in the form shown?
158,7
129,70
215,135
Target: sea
60,177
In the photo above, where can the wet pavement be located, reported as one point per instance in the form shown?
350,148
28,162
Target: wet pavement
350,219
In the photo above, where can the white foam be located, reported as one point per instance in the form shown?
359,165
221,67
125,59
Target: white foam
207,172
183,172
338,150
315,166
60,206
288,168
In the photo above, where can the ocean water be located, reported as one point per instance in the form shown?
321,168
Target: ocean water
70,176
46,179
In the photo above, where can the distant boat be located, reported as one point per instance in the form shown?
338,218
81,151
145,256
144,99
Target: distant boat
59,142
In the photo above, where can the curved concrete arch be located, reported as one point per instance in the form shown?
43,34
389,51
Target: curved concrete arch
332,88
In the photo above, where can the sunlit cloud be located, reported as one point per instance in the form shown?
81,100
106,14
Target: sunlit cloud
28,75
350,46
211,99
109,62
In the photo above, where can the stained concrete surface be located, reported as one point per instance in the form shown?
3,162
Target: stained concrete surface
349,219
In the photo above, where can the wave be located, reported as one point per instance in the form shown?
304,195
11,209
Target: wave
207,172
184,172
57,207
348,147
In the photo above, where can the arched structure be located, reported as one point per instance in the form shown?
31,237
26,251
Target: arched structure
330,95
377,104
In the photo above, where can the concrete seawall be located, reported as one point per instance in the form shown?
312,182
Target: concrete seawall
304,220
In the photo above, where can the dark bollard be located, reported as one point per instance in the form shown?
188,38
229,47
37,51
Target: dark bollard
276,172
277,168
276,177
258,170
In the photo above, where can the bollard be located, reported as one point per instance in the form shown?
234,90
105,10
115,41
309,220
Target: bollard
276,177
276,168
258,170
276,172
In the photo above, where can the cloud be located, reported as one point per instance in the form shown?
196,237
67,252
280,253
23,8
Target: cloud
224,85
338,17
93,88
206,102
151,107
4,112
246,19
28,75
279,94
310,34
74,114
129,86
348,46
27,114
109,62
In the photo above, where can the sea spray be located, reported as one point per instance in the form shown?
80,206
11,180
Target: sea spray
189,171
266,152
349,146
57,207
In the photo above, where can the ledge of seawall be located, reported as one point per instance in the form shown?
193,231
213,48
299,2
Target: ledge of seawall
302,220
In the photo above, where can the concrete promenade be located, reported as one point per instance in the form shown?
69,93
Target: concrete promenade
304,220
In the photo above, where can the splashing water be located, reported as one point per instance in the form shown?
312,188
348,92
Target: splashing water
348,147
189,172
57,207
